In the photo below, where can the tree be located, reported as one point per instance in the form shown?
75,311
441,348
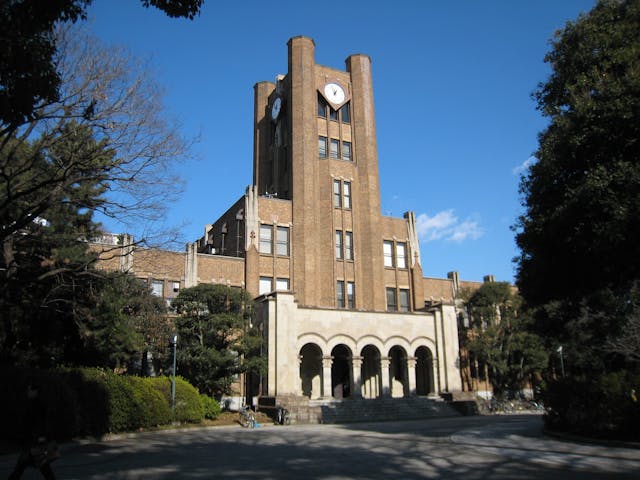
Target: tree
28,74
579,236
216,339
498,338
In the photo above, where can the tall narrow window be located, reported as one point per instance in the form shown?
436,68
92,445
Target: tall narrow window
322,107
387,251
401,255
392,303
351,295
334,148
282,241
403,298
322,147
157,288
346,151
337,198
265,285
340,293
339,245
348,245
266,239
345,114
346,194
333,114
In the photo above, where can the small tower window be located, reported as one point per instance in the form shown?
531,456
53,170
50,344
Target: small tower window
345,114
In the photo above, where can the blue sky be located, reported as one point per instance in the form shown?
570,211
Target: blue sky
452,88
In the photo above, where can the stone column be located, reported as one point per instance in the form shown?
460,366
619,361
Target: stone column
327,361
297,384
385,362
411,374
356,369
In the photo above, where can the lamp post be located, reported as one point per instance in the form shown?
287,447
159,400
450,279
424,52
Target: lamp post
561,360
173,380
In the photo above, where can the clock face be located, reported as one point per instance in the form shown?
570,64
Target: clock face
275,108
334,93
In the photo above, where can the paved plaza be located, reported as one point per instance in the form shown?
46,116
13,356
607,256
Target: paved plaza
491,447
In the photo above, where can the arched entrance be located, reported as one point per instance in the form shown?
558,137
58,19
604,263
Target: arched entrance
424,371
311,370
371,378
398,372
341,372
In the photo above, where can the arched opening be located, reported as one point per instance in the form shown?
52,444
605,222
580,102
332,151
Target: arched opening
424,371
341,372
398,372
371,377
311,370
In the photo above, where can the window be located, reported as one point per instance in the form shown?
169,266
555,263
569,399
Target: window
346,151
346,193
403,298
392,304
266,239
282,241
157,288
322,147
348,245
338,244
337,198
265,285
282,284
340,293
351,295
333,114
387,251
334,148
345,114
322,107
175,287
401,255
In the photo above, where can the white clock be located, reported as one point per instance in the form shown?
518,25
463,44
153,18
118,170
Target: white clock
334,93
275,108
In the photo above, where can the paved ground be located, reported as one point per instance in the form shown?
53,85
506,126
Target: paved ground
492,447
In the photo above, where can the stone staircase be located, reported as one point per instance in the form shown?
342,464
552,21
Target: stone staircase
303,410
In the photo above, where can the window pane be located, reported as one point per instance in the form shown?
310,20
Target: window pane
266,237
346,192
401,253
282,284
346,151
387,250
322,107
337,198
351,295
335,148
282,241
392,304
348,245
404,300
345,113
340,293
333,114
322,147
265,285
157,288
338,244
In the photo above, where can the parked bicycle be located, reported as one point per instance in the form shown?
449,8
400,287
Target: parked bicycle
247,418
282,416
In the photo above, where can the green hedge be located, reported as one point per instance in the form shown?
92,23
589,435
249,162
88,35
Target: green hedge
189,408
211,407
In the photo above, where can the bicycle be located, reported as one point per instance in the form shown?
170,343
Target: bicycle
247,418
282,416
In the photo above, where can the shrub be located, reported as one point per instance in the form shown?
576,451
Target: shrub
211,407
188,408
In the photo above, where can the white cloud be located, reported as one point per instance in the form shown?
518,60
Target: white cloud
446,226
520,169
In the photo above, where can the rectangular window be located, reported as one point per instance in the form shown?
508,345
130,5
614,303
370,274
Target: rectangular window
335,148
157,288
175,286
346,193
392,303
337,198
340,293
322,107
333,114
322,147
282,284
348,245
401,255
265,285
338,244
282,241
266,239
346,151
403,298
351,295
345,114
387,251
